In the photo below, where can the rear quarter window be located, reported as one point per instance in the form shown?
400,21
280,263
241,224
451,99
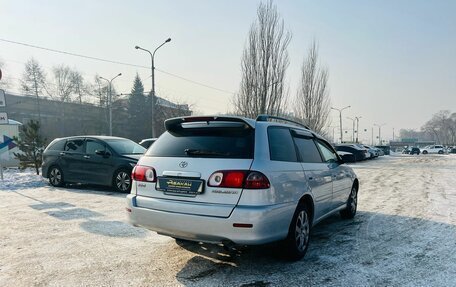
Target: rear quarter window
281,145
205,142
57,145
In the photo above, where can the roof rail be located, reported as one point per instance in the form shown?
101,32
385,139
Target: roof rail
266,118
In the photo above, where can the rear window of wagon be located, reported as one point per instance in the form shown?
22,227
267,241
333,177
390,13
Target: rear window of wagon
205,142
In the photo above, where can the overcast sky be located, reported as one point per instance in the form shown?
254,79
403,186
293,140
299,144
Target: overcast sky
394,62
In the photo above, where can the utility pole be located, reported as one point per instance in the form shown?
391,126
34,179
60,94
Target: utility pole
357,128
340,121
353,128
379,132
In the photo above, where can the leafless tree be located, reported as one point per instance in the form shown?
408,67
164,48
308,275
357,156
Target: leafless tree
442,127
312,103
4,83
34,82
264,63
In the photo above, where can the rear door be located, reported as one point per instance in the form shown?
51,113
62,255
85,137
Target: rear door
72,160
98,168
185,157
318,174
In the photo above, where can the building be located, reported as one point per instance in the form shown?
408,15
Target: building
59,119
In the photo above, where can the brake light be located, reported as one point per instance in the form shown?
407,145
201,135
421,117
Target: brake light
238,179
143,173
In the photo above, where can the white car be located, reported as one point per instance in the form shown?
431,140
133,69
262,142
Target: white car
433,149
230,179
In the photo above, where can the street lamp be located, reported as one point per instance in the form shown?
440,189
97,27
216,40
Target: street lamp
357,128
340,118
152,55
110,100
353,130
379,132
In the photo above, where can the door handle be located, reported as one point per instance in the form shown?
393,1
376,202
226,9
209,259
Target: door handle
87,156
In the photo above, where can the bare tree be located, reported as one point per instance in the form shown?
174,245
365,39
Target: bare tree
4,83
442,127
34,81
264,63
312,103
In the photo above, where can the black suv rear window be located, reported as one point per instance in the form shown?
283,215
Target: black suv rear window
205,142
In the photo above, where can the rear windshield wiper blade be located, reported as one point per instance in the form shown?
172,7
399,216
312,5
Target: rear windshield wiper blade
205,152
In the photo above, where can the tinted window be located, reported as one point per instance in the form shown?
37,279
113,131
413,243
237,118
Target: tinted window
308,150
205,142
75,145
92,146
58,145
327,153
281,145
124,146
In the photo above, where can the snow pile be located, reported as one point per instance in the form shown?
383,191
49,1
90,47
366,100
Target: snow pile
15,179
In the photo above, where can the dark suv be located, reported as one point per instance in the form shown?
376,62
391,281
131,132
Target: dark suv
98,160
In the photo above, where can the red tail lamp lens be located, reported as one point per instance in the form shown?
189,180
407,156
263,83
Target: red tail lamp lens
144,173
238,179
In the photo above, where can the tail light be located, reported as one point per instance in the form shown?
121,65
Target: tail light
143,173
239,179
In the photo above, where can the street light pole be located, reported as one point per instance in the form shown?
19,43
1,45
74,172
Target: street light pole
110,100
152,56
353,130
340,119
357,128
379,132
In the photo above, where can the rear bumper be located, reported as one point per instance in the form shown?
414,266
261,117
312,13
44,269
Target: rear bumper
269,223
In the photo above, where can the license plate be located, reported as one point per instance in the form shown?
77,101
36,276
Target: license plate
179,186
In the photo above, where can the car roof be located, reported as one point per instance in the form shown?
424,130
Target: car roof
94,137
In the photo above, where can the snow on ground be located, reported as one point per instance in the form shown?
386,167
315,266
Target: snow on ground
403,235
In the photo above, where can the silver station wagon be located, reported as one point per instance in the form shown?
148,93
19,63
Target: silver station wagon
223,179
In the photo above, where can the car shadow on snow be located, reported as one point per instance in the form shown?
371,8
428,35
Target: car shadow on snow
372,249
92,189
112,228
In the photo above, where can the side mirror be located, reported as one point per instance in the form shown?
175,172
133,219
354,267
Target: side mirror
102,153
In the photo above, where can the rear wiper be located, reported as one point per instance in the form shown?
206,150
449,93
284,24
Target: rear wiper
205,152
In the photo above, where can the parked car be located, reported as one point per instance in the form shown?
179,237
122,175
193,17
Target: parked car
99,160
346,156
452,150
380,151
359,152
372,151
433,149
386,149
233,179
414,150
146,143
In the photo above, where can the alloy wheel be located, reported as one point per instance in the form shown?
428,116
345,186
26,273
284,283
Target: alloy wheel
302,231
55,176
123,181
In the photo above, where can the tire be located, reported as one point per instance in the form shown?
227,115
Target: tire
440,152
425,152
297,241
121,180
352,204
55,175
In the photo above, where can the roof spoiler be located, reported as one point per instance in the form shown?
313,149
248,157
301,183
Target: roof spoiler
173,123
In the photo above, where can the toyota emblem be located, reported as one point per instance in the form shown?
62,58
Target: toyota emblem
183,164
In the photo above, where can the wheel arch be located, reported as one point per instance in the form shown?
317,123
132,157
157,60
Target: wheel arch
307,201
